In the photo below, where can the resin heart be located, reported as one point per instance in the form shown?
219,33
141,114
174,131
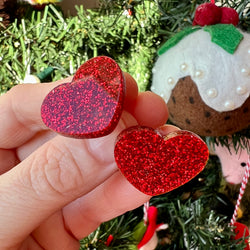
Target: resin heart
156,165
91,105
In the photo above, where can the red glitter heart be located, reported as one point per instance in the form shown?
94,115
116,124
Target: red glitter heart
156,165
91,105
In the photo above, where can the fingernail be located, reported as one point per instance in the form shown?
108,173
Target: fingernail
166,129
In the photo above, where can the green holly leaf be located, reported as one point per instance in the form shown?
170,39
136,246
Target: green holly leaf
177,38
227,36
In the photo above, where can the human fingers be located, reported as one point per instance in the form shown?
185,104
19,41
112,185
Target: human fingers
18,114
115,196
10,126
53,235
131,92
8,159
21,116
60,171
112,198
150,110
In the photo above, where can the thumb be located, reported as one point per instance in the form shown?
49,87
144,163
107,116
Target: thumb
60,171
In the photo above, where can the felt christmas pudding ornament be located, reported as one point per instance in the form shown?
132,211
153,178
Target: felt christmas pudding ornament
233,162
203,73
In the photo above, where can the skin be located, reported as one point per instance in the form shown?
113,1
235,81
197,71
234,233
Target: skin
50,184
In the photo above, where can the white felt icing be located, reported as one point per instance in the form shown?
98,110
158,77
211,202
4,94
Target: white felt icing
223,79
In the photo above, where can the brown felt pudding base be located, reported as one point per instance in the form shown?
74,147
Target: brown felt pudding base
188,111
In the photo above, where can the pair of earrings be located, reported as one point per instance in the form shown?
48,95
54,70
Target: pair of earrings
91,105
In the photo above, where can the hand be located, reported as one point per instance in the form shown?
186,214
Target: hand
56,190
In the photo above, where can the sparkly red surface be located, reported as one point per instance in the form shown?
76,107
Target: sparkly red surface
155,165
229,16
91,105
242,232
207,14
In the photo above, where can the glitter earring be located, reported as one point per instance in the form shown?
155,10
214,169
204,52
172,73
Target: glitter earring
91,105
155,164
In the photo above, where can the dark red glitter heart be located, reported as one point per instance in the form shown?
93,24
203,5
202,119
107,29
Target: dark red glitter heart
91,105
156,165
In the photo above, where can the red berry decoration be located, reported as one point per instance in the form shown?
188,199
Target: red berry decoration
91,105
229,16
156,165
207,14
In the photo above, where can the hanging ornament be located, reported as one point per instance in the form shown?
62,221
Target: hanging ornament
203,74
149,240
31,79
233,162
109,240
240,229
242,191
40,77
43,75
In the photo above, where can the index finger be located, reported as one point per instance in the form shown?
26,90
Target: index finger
20,112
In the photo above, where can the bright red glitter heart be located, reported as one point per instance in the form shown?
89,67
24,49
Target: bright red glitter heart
156,165
91,105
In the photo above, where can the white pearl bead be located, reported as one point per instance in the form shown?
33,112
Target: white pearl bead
184,67
198,74
248,51
162,95
152,88
212,93
245,71
154,70
170,80
241,90
229,105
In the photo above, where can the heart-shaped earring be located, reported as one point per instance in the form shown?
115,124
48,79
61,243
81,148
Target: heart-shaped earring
156,164
91,105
